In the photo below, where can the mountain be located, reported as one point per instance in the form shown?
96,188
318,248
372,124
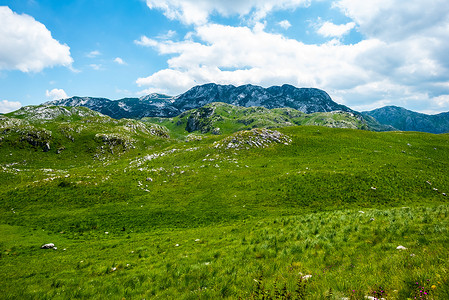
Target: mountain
307,100
223,118
407,120
150,105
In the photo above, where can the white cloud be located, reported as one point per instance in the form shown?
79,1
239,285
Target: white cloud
9,106
198,11
56,94
168,35
395,19
442,101
96,67
27,45
145,41
329,29
371,71
93,54
119,61
239,55
285,24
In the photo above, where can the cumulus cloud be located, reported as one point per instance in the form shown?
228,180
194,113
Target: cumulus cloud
56,94
9,106
198,11
240,55
119,61
285,24
371,71
27,45
93,54
390,20
96,67
329,29
145,41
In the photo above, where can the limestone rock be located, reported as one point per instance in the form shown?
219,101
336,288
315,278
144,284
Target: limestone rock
48,246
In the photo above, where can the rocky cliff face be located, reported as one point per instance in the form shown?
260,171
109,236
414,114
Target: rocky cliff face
406,120
307,100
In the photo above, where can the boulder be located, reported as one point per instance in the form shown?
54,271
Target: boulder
47,246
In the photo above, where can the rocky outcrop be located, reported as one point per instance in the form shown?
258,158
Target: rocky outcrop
114,143
36,137
200,120
255,138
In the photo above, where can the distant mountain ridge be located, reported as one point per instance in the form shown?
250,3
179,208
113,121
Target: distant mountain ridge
407,120
307,100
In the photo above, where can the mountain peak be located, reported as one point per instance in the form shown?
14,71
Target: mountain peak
154,96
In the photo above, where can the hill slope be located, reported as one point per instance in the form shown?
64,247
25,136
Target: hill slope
74,130
222,118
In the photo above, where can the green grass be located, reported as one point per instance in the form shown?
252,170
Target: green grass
268,214
343,251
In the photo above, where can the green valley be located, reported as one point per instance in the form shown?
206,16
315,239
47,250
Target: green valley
263,207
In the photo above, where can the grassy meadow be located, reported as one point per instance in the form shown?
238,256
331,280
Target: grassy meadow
164,218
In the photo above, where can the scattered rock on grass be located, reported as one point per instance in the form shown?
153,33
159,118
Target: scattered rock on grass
401,248
48,246
255,138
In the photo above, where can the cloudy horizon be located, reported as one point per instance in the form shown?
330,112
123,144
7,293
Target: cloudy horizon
365,55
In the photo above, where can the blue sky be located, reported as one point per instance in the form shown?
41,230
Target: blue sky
365,54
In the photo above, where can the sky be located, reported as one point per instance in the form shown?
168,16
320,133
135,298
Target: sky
364,54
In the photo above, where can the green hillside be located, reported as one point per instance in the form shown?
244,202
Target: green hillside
136,214
222,118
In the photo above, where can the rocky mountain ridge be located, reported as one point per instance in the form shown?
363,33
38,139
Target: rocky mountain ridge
307,100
